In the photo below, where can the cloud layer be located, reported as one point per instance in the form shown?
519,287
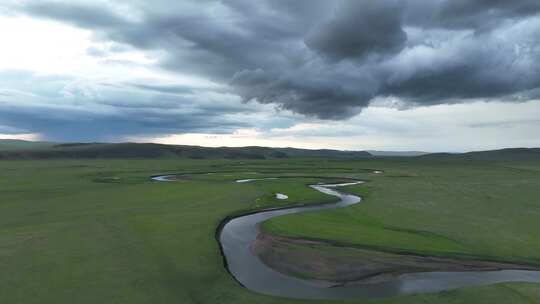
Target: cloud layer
317,58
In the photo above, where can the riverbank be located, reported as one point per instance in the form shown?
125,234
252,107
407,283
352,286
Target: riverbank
329,264
299,270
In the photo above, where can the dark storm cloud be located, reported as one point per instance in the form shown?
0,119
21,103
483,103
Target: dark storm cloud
307,94
60,109
330,59
360,28
65,123
477,67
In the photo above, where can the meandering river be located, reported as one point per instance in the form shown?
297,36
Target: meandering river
237,235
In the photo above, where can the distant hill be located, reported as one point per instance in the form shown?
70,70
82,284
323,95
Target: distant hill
16,144
148,150
503,154
396,153
20,149
293,152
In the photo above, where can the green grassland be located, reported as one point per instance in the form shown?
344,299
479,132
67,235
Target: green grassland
99,231
476,209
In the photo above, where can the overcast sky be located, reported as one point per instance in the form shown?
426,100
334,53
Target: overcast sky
432,75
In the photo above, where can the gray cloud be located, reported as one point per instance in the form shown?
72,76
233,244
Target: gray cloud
310,94
478,15
359,28
84,15
505,123
483,13
328,59
78,113
168,89
73,124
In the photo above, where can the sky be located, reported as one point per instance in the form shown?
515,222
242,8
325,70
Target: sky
428,75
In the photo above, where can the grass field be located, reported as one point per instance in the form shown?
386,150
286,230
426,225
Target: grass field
436,208
99,231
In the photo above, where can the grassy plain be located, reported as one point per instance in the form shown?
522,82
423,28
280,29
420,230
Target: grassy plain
472,208
99,231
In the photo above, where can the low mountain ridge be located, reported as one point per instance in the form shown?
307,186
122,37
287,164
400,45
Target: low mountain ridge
501,154
17,144
20,149
158,151
396,153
